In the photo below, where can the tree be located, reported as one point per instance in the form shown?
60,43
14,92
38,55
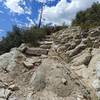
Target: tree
88,18
41,14
43,4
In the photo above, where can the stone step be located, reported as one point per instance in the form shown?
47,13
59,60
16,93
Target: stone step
48,36
45,46
36,51
47,39
45,42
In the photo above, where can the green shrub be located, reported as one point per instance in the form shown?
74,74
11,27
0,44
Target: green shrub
25,35
33,35
88,18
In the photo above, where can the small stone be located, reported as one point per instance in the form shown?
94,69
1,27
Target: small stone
13,87
80,96
32,62
28,65
64,81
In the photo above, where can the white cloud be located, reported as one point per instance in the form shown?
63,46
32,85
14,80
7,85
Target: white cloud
28,10
64,11
1,30
14,6
31,22
1,12
41,0
44,1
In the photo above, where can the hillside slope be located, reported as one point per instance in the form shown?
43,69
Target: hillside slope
62,68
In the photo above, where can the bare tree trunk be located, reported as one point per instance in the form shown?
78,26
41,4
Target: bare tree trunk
41,15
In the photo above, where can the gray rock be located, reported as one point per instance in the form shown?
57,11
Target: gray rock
36,51
45,46
95,33
83,58
4,93
67,45
77,41
61,49
8,60
52,81
29,96
95,51
3,85
13,87
77,50
46,42
72,46
44,56
23,47
31,62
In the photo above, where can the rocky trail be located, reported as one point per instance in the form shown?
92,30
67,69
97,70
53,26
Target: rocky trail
64,67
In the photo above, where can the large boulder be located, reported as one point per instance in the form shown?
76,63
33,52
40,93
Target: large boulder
93,63
77,50
81,71
9,61
82,58
91,73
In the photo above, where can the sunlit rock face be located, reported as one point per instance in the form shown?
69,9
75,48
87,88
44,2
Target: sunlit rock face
82,52
66,66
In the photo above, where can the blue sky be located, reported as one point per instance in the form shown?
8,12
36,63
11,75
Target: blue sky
25,12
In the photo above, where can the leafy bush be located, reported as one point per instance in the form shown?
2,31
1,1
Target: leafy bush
88,18
25,35
33,34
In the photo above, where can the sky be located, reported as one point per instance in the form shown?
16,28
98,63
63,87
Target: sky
25,13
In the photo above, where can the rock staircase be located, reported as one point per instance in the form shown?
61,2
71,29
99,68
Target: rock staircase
46,43
28,73
43,49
